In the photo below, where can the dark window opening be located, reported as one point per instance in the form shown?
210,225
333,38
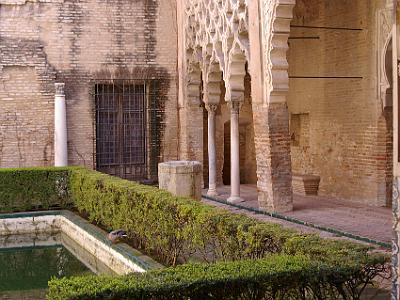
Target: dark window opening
126,122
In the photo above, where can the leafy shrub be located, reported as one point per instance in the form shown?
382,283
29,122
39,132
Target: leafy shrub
278,277
180,230
176,229
33,189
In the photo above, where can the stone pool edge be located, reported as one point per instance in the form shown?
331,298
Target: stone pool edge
71,224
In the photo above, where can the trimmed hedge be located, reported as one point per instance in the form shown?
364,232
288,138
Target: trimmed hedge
175,229
278,277
33,189
179,230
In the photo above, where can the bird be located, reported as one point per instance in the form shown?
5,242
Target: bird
116,235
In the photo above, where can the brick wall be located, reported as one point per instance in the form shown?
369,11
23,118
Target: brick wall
349,134
77,42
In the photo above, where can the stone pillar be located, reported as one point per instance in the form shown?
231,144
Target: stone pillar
60,127
274,170
212,160
235,161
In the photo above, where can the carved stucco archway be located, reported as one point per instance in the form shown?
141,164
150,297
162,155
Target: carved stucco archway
217,34
276,16
219,28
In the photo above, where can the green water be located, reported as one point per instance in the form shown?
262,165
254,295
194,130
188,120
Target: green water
24,272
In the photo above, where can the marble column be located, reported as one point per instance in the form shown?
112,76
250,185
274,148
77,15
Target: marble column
60,127
235,162
212,156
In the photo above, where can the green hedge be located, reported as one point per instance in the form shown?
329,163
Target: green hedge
33,189
276,277
180,230
175,229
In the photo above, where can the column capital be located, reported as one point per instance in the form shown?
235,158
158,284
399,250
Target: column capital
59,89
235,106
211,107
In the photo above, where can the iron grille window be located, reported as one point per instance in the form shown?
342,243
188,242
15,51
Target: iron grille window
126,121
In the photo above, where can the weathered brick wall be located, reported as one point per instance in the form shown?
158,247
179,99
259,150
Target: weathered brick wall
77,42
349,134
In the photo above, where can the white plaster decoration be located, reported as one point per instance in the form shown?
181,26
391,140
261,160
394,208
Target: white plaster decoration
235,162
215,29
276,18
384,26
212,78
212,156
60,127
193,84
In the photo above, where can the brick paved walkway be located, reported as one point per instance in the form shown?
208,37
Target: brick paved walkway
367,221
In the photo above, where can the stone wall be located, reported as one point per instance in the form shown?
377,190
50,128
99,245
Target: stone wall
339,129
77,42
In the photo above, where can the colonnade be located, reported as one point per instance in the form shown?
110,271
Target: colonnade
234,107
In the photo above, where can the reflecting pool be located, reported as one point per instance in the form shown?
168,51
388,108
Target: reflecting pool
27,262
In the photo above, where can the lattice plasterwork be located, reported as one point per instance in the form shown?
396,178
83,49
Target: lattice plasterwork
217,35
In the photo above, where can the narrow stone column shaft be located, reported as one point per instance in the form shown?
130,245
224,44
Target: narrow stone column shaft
235,162
212,159
60,127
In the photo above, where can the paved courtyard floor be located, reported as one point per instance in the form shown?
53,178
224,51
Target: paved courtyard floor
366,221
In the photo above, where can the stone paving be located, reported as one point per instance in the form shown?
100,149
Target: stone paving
366,221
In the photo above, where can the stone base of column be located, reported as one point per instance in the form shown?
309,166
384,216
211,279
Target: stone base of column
235,199
212,192
267,203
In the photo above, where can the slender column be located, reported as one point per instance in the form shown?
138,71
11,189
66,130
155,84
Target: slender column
212,159
235,163
60,127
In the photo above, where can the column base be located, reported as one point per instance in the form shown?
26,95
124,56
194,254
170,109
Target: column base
212,193
235,199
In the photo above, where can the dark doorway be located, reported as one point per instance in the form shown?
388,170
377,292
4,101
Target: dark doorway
121,130
226,171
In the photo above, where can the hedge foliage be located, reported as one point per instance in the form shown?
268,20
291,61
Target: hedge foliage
278,277
175,229
33,189
180,230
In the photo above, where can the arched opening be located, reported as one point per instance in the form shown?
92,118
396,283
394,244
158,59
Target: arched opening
247,157
339,130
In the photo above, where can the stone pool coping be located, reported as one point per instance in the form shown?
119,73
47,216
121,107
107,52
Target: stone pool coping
68,222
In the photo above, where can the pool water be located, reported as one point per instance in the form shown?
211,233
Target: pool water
28,261
29,269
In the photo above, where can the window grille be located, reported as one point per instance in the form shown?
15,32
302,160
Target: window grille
128,120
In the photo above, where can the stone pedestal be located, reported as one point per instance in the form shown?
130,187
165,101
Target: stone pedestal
181,178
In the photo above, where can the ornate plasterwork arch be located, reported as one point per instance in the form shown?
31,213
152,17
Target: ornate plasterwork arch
276,17
220,29
213,77
384,47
